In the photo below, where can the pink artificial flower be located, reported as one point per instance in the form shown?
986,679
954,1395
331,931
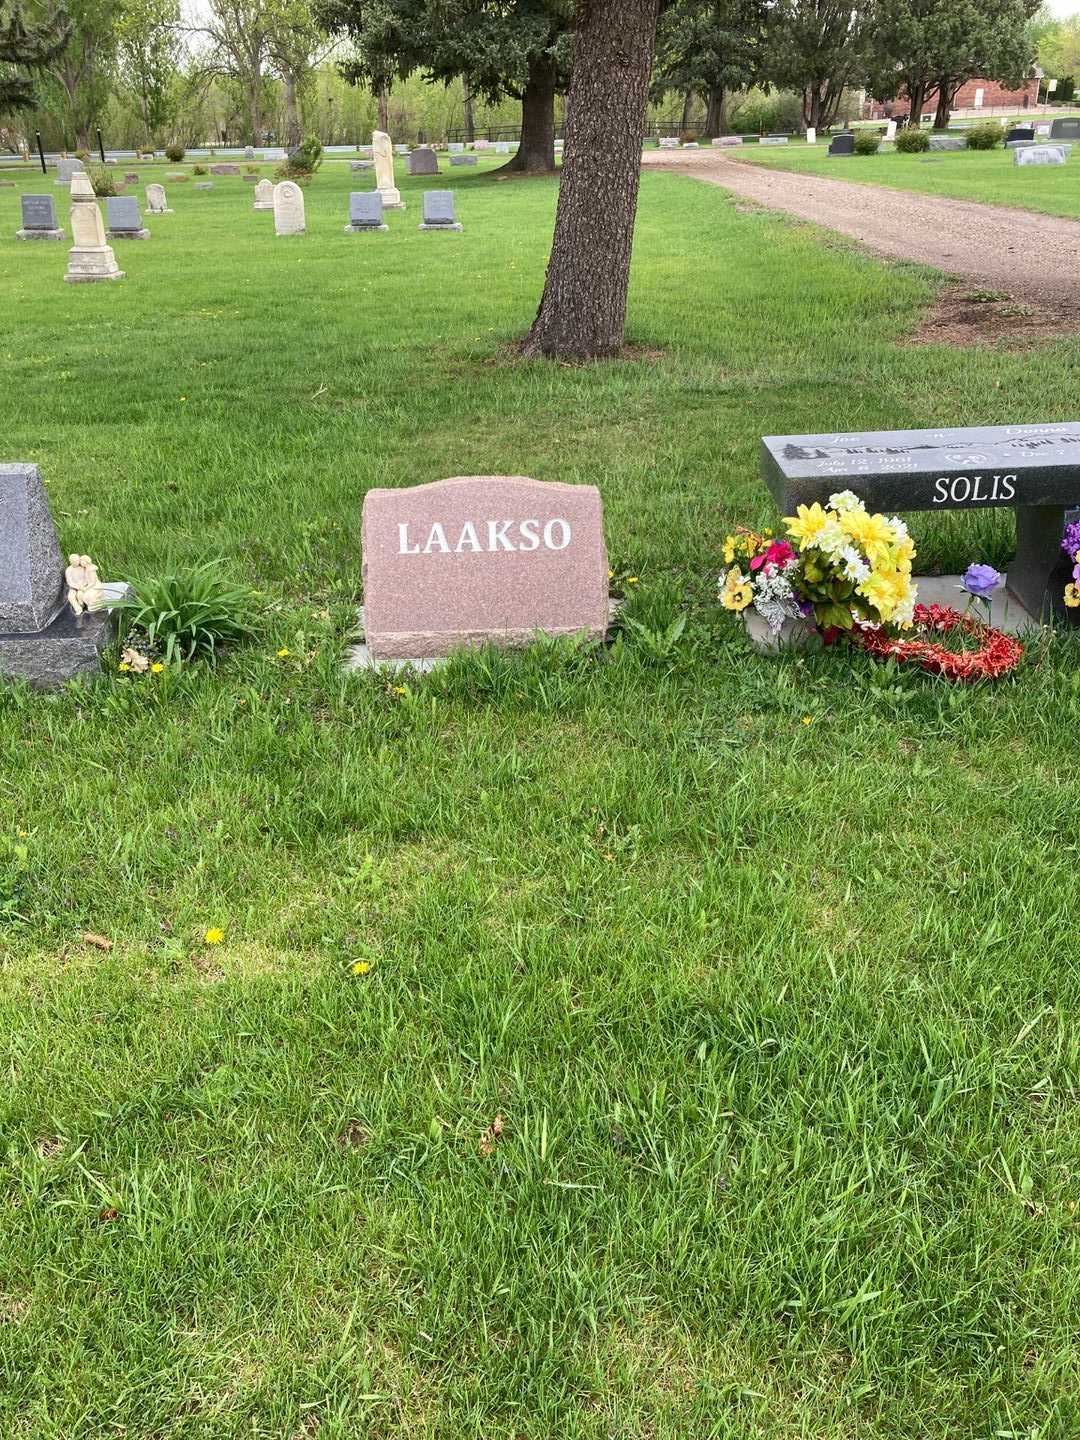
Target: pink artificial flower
777,556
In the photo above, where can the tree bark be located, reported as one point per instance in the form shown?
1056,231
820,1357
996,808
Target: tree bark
687,108
916,96
715,119
384,111
582,314
292,114
467,111
536,153
945,96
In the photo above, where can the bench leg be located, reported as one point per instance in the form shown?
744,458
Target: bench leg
1040,570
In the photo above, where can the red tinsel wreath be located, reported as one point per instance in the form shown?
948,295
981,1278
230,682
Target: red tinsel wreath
998,654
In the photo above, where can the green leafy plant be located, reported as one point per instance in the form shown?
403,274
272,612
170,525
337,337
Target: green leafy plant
174,152
188,614
987,136
911,140
198,169
103,180
302,162
867,142
688,137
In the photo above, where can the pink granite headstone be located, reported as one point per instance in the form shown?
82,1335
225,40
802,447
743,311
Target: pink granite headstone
481,559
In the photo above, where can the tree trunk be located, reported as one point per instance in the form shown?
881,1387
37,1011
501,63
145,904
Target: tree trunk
467,111
254,110
536,153
916,96
687,107
384,111
715,119
945,96
582,314
292,114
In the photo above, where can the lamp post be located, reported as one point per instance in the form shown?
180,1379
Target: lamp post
40,151
100,146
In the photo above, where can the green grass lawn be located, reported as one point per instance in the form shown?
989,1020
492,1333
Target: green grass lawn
986,175
770,966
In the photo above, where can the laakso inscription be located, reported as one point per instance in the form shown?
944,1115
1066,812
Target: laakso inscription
490,536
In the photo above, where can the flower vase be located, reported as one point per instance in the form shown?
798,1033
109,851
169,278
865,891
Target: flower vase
792,635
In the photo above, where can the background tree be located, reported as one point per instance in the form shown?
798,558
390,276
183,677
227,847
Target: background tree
149,55
517,48
80,79
582,314
237,35
712,47
27,47
818,47
295,48
1058,46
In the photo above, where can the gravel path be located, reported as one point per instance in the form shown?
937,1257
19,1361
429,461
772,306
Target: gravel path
1035,257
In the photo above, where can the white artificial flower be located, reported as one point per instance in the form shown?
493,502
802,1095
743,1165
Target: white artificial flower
900,530
855,567
845,500
830,539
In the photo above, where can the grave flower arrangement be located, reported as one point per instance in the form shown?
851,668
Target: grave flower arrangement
841,565
1071,545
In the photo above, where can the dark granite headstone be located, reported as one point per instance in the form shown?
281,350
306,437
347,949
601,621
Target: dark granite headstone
38,212
31,565
1066,127
366,211
438,210
1021,132
1034,469
842,144
423,161
122,213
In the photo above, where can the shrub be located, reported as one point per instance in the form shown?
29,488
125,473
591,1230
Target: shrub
103,180
911,140
83,155
867,142
198,169
987,136
174,152
688,137
302,162
191,613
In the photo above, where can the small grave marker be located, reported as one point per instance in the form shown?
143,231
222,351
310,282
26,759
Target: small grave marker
842,144
948,142
481,559
437,209
1041,154
1066,127
423,161
124,220
264,195
65,169
288,208
156,203
39,219
365,212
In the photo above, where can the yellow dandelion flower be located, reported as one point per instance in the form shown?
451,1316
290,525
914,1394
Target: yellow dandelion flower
156,668
360,967
214,936
808,719
281,654
631,580
123,666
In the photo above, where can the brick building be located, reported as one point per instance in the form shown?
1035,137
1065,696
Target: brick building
974,96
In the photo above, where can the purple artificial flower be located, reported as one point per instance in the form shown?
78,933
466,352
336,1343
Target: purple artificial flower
1071,541
981,580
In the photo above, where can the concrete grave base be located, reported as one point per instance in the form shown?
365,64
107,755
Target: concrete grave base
87,266
167,211
363,229
128,234
1006,613
359,657
69,648
439,227
391,199
39,234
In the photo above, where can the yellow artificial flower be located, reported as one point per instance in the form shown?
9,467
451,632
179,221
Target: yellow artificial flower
737,592
360,967
806,524
214,937
866,530
1072,595
156,668
729,550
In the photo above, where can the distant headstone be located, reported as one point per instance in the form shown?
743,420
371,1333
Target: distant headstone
502,147
401,149
773,140
1041,154
365,211
65,168
288,208
264,195
456,147
355,165
669,142
724,142
156,203
811,135
249,152
1026,133
462,159
948,142
1034,469
1066,127
1042,130
382,150
423,161
842,144
124,220
437,209
225,169
90,257
41,640
204,185
481,145
39,219
131,178
890,132
481,560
